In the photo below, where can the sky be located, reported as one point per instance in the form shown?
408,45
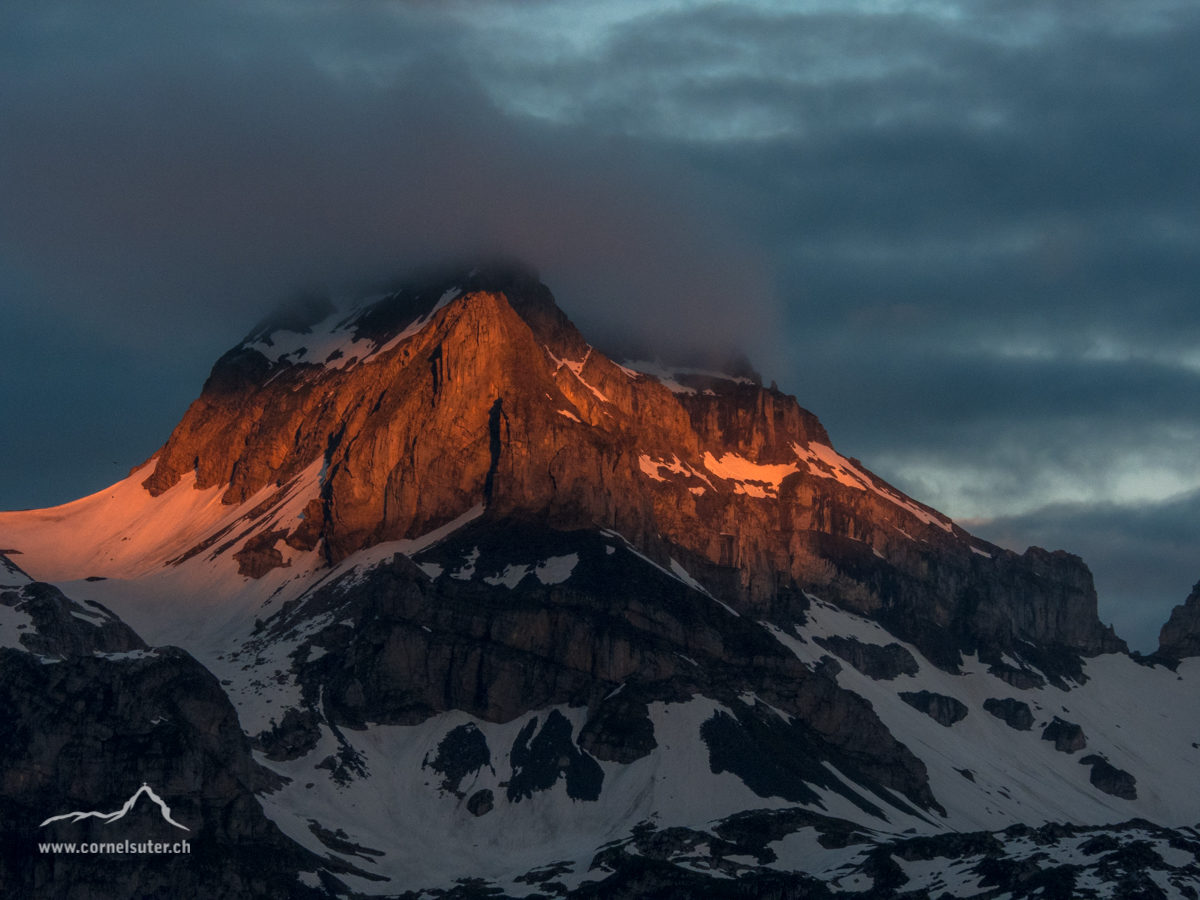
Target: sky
965,235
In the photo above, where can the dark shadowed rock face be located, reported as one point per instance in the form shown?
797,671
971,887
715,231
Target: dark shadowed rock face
463,751
88,716
85,733
942,709
291,738
1022,679
883,663
615,636
496,398
1109,778
1067,736
540,758
1180,637
782,758
619,729
1014,713
60,627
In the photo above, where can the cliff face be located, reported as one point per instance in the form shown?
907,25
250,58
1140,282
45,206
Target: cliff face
1180,636
476,389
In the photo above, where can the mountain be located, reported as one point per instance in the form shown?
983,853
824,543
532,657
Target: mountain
1180,636
496,612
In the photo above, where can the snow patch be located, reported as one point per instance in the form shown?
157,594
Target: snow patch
825,462
750,478
667,375
652,467
649,467
510,577
556,569
11,575
682,574
332,343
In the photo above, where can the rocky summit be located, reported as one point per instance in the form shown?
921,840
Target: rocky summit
427,596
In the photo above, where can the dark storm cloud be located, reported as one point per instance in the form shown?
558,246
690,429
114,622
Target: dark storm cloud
188,164
966,235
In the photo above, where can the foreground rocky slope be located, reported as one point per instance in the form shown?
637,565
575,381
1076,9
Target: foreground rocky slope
88,714
499,614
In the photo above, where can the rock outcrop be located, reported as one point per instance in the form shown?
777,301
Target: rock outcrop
1014,713
1109,778
1180,636
59,627
1066,736
883,663
942,709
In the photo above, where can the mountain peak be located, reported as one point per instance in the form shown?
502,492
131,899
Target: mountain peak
470,388
308,328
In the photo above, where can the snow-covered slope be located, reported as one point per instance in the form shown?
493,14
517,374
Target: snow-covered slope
389,800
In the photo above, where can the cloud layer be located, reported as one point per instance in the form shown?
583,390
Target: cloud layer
966,235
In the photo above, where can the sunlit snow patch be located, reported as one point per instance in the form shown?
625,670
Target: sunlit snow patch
653,468
825,462
750,478
576,367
